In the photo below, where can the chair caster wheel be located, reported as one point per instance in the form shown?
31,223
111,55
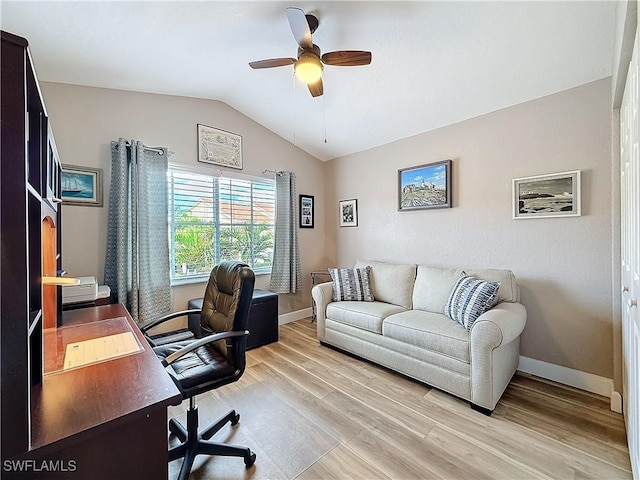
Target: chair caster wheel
250,460
235,419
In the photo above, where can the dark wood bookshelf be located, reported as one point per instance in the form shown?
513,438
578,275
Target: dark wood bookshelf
29,190
107,420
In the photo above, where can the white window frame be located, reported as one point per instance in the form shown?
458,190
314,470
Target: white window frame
216,178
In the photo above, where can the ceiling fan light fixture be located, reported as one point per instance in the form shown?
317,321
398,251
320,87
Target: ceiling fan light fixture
308,68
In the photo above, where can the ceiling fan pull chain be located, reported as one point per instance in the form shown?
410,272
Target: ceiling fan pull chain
293,79
324,117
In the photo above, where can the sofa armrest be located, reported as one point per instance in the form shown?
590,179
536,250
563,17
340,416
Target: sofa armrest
322,296
495,351
500,325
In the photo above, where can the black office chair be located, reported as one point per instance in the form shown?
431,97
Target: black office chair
216,359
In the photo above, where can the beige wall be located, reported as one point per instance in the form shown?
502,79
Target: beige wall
563,265
86,119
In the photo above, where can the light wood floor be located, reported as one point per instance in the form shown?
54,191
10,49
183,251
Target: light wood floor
310,412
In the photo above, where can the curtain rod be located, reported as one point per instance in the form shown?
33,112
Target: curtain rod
158,150
275,172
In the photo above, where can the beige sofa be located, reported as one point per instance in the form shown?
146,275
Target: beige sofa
404,329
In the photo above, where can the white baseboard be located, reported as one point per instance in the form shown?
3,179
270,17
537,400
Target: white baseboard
574,378
293,316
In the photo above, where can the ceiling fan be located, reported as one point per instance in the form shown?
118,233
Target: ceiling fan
309,64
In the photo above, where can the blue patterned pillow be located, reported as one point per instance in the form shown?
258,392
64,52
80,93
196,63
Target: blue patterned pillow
351,284
469,299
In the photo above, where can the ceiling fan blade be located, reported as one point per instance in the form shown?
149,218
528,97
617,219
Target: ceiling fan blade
347,58
272,62
299,27
316,88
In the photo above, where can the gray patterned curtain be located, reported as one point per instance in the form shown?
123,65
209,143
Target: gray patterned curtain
137,261
286,274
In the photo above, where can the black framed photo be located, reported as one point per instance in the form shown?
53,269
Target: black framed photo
425,186
348,210
306,211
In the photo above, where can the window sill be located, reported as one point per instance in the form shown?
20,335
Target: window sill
177,282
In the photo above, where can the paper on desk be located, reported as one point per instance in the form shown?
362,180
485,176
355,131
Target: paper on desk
99,349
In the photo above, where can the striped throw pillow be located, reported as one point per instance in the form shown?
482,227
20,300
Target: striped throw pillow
351,284
469,299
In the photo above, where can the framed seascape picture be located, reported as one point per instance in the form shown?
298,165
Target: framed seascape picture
348,211
306,211
218,147
81,186
425,186
553,195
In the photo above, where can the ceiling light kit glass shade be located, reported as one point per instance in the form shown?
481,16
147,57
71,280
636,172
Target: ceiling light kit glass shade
308,68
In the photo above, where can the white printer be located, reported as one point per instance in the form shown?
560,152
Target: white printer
86,291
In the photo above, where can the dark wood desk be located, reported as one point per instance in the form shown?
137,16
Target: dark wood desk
106,420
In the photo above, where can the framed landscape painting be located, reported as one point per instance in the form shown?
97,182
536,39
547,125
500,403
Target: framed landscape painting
81,186
553,195
425,186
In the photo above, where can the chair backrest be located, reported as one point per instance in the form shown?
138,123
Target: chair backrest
226,304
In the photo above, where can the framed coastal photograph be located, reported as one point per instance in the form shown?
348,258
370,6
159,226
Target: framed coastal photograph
81,186
425,186
552,195
348,212
218,147
306,211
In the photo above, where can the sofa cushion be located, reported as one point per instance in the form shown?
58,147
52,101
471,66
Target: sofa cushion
365,315
391,282
351,284
508,291
433,287
433,331
469,299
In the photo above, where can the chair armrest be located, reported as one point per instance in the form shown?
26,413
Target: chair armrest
201,342
500,325
154,323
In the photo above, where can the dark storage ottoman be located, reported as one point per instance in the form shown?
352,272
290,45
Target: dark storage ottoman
263,318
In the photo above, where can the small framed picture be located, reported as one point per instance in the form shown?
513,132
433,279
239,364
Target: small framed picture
542,196
348,211
218,147
425,186
81,186
306,211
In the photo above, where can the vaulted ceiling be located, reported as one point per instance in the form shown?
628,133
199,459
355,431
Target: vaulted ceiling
434,63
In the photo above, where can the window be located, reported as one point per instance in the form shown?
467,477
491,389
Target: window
212,219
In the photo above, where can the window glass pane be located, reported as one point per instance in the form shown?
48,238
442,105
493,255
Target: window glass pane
194,249
263,236
212,219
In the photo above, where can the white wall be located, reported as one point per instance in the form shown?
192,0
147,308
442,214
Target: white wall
86,119
563,265
626,19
